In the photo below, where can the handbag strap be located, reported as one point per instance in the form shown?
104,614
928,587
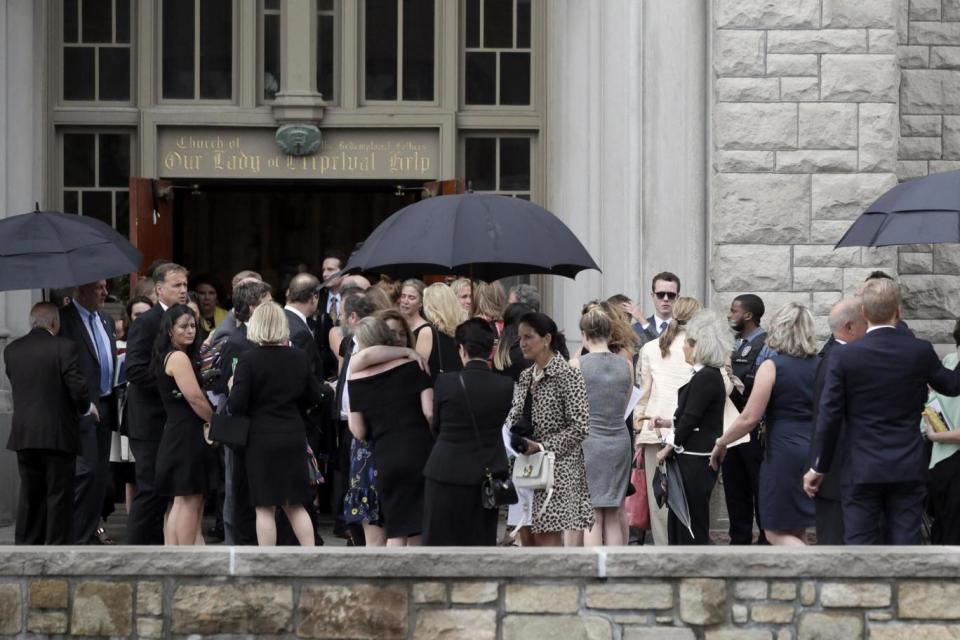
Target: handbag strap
473,420
436,336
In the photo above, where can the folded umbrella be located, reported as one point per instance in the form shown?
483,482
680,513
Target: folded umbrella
46,249
668,487
921,211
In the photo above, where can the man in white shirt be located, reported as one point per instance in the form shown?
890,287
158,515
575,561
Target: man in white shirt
664,291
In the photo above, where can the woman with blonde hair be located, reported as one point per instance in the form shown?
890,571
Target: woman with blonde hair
489,302
445,314
463,289
783,392
272,384
411,306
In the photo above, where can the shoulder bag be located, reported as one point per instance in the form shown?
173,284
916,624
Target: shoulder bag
534,471
494,492
229,429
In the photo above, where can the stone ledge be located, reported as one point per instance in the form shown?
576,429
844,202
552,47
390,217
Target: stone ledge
623,562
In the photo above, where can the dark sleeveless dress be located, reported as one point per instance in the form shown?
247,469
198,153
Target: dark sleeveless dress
184,459
444,356
789,428
390,404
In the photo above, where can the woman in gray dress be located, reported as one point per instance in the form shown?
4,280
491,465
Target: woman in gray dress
607,453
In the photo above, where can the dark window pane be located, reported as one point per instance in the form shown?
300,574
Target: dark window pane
271,56
114,159
123,20
473,23
97,21
418,49
480,165
272,5
380,50
78,155
178,54
325,57
114,73
78,74
97,204
497,23
122,209
523,23
481,78
71,202
514,78
523,196
216,49
70,18
325,5
515,164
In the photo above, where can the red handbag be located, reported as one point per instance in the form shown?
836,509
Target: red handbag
637,505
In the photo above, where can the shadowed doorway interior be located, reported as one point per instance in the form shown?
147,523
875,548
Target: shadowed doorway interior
222,228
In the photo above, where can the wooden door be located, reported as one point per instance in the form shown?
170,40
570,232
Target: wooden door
151,221
434,188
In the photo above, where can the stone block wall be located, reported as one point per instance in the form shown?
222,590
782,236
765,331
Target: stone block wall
929,53
719,593
805,136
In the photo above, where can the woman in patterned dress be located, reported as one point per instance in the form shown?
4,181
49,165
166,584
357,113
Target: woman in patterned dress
553,396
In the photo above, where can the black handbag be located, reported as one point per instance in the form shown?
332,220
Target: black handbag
494,492
229,429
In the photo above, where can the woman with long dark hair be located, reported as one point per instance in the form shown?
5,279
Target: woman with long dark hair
184,459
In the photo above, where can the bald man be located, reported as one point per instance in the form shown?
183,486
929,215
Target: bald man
50,395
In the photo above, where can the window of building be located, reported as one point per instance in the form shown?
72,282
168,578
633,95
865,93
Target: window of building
497,52
96,50
96,172
326,48
498,164
271,49
399,50
197,49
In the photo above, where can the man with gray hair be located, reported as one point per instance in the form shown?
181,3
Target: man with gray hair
847,324
45,429
526,294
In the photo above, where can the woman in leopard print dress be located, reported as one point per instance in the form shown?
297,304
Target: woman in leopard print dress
560,414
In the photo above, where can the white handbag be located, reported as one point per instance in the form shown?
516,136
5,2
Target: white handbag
535,472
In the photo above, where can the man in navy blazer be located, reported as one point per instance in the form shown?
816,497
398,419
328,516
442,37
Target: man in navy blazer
878,385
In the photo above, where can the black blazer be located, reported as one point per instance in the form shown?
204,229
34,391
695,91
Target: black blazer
328,361
456,457
145,413
878,386
49,392
830,488
274,387
698,421
302,338
73,328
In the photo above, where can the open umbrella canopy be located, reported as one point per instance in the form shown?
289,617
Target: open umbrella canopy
921,211
46,249
479,236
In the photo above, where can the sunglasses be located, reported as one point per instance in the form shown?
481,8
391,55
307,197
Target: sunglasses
665,295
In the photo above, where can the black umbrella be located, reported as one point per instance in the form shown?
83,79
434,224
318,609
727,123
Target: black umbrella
668,487
486,237
44,249
921,211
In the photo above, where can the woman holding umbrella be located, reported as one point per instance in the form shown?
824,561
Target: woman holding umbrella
697,423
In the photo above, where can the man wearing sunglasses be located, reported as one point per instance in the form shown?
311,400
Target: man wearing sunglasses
664,292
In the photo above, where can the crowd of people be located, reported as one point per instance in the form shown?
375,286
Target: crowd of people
394,406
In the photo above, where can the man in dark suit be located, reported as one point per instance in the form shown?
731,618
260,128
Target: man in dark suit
303,296
146,415
664,291
847,325
81,322
49,396
328,310
879,385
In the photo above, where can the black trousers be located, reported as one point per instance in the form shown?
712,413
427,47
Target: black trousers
898,505
45,507
829,520
698,483
741,482
944,500
92,474
145,523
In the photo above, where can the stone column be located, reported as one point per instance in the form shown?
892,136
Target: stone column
298,99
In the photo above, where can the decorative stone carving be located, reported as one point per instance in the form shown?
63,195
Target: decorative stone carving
299,139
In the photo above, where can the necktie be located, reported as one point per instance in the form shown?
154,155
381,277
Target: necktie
332,305
103,354
663,326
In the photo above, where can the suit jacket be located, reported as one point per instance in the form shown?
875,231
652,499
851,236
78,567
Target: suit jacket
878,386
49,392
302,338
830,488
145,413
698,421
274,386
73,328
457,457
646,334
328,361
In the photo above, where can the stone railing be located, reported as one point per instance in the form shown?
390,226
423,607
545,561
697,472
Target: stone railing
624,593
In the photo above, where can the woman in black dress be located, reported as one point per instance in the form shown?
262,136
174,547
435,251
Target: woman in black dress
470,407
273,386
698,422
184,459
443,311
391,404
